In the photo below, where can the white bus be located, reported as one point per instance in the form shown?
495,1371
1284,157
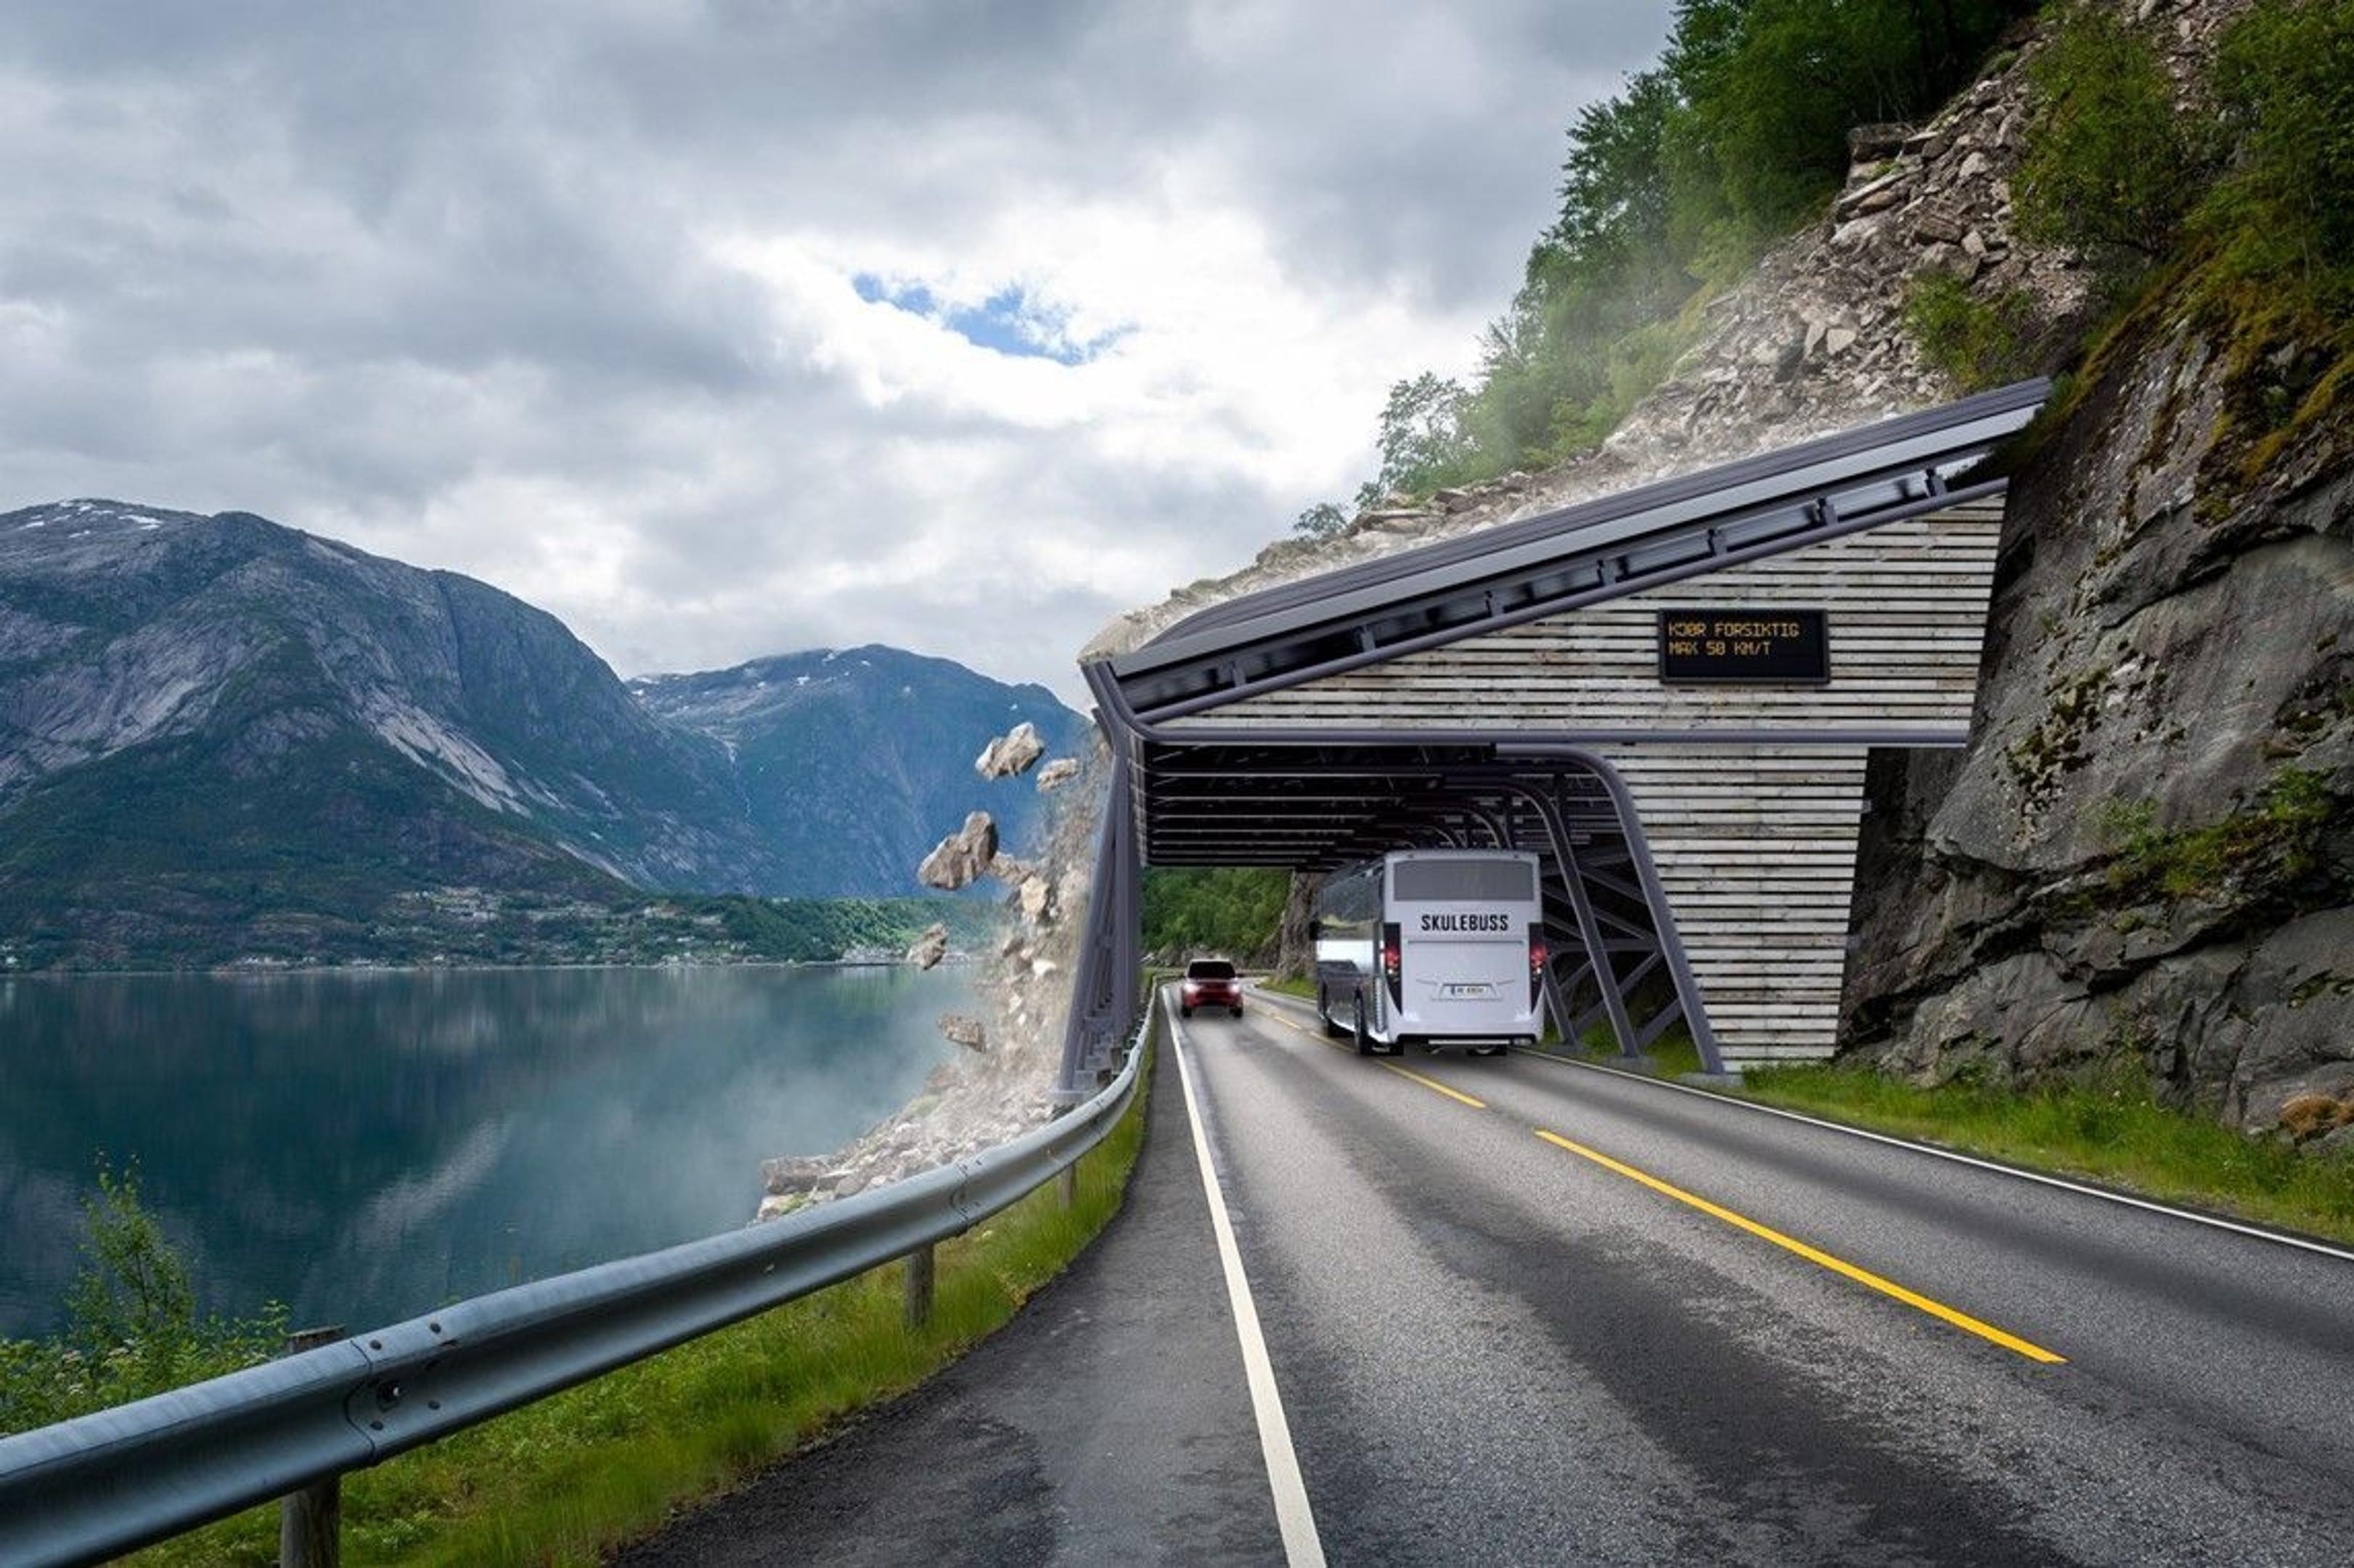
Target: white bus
1435,947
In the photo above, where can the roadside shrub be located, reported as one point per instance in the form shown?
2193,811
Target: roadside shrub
1979,342
2284,92
2111,167
132,1299
132,1326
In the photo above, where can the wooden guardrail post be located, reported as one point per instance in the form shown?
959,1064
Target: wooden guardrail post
310,1522
920,1265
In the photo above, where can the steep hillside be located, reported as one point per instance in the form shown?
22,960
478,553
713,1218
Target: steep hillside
2145,856
849,762
2143,860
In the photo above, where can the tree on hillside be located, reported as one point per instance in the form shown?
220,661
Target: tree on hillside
1769,89
2284,91
2110,163
1320,520
1423,442
1674,184
1229,913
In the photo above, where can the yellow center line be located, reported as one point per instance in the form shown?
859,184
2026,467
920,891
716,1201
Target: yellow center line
1962,1321
1304,1029
1402,1072
1813,1255
1432,1084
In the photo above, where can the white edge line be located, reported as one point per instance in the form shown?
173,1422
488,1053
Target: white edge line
2041,1178
1302,1548
2212,1221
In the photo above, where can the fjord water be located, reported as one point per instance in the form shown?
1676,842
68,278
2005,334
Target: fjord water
366,1146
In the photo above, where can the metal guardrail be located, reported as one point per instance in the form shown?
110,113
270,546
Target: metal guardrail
109,1482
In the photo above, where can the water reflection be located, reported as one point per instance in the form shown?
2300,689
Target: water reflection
365,1146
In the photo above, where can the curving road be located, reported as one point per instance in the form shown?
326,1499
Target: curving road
1519,1310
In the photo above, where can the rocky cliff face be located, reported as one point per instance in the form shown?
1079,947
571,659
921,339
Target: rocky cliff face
2144,861
846,761
2144,856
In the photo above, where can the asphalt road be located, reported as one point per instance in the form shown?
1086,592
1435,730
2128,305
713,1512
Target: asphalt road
1594,1319
1107,1423
1495,1349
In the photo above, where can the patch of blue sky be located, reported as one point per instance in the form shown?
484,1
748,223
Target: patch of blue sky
1010,322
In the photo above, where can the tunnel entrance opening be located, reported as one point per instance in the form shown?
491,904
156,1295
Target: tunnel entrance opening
1613,962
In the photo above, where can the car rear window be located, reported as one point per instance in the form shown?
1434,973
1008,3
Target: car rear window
1209,969
1426,881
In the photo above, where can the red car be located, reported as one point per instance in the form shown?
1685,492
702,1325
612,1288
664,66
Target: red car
1210,982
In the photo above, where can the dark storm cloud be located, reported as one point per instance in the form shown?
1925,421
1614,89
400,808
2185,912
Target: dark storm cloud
561,294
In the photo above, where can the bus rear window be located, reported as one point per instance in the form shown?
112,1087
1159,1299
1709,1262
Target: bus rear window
1485,881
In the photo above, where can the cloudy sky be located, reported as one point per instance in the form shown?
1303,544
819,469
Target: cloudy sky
732,327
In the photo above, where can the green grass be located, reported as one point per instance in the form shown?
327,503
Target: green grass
1980,342
2283,828
1304,986
1671,1055
2116,1135
565,1479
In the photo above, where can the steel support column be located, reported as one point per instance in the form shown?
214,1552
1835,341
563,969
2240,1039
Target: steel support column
1672,945
1605,970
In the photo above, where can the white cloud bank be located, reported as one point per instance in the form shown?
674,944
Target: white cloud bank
726,329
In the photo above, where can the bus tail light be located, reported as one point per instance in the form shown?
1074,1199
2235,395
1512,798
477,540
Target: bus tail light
1392,964
1537,955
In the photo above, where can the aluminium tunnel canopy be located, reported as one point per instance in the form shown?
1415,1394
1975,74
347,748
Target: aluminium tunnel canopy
1671,692
1313,798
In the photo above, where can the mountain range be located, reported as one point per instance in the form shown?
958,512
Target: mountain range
221,737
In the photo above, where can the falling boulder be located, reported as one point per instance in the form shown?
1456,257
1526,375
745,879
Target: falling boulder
967,1031
1011,753
929,947
1037,900
1057,774
960,858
